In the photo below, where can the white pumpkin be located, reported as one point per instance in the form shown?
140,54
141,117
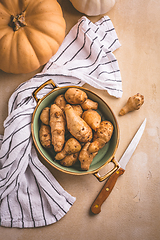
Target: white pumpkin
93,7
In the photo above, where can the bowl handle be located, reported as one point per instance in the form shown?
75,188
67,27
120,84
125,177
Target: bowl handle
108,174
50,81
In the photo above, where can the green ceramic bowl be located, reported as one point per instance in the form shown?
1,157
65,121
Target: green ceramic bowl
105,155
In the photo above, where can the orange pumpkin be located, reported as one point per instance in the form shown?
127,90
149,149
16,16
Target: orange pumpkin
31,32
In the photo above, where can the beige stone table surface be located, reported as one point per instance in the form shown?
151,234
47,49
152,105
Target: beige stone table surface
132,211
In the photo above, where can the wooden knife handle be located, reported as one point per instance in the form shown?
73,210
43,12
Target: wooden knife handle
106,190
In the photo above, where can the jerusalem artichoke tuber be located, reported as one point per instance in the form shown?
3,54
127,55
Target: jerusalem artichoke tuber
75,96
101,136
77,108
133,103
60,101
69,160
85,157
92,118
89,104
45,136
45,115
71,146
77,126
57,124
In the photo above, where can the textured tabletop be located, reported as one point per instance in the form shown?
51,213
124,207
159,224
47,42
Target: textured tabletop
132,210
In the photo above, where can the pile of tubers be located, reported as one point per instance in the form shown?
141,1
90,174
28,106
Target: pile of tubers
74,115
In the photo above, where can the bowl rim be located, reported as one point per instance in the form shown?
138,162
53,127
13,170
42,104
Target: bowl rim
47,160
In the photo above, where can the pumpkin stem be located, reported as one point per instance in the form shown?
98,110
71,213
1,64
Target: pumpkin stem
18,21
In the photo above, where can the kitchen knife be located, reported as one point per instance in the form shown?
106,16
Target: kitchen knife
107,188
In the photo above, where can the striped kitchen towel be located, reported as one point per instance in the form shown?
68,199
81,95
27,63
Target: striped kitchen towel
86,56
30,196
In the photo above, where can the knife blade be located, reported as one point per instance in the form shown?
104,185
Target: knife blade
111,181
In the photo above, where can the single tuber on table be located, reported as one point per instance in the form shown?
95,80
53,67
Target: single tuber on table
133,103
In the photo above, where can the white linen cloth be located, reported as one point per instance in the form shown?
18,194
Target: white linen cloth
86,56
30,196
